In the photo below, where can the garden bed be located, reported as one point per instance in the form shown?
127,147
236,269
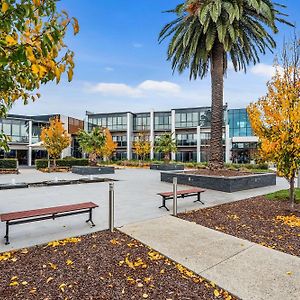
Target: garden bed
260,220
234,181
9,171
102,265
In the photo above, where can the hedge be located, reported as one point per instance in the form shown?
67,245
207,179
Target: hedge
9,163
43,163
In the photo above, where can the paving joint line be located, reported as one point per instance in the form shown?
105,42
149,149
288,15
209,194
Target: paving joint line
226,259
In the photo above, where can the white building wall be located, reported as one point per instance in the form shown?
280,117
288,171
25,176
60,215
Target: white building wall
66,152
173,130
129,135
152,137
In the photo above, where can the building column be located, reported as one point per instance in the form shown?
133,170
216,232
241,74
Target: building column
173,131
129,135
29,162
68,151
198,144
228,144
152,137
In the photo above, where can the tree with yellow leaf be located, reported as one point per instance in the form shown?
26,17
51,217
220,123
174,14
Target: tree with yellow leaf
110,146
142,146
55,139
33,51
275,118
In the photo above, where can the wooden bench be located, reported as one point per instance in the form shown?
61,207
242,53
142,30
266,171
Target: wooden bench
29,216
181,194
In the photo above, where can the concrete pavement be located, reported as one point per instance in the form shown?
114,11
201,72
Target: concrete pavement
135,200
246,269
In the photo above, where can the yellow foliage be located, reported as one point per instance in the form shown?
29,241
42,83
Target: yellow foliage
5,7
110,146
55,138
64,242
142,146
275,119
291,221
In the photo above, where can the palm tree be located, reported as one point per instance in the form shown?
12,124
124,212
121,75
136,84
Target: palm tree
92,143
207,34
166,144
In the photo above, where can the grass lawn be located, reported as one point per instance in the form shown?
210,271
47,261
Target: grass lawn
102,265
283,195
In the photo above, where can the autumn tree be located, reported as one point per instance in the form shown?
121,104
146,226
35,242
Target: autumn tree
142,146
55,139
110,146
92,143
275,118
166,144
33,50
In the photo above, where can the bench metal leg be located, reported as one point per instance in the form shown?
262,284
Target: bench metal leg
91,218
164,204
6,234
199,198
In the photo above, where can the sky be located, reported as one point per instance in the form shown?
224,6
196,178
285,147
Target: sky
120,66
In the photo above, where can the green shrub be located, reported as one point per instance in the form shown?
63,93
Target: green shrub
65,162
9,163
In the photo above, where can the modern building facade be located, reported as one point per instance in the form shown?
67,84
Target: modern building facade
190,126
24,133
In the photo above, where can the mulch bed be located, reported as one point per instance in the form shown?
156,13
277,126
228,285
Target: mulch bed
266,222
102,265
8,171
222,173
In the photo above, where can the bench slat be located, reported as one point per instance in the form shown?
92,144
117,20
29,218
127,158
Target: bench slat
46,211
182,192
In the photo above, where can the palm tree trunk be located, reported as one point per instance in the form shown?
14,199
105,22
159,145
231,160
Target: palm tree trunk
216,160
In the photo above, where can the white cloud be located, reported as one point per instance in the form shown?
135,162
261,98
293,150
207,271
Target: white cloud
115,89
109,69
137,45
145,88
265,70
160,86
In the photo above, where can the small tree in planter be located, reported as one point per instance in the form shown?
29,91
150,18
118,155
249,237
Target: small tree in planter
55,139
110,146
142,146
92,143
275,118
166,144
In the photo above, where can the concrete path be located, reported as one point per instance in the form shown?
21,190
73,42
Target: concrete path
248,270
135,200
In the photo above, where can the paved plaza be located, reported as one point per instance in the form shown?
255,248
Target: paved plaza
135,200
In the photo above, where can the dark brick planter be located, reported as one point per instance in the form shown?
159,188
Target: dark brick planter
9,186
224,184
93,170
166,167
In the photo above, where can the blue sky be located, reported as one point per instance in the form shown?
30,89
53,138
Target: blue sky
121,67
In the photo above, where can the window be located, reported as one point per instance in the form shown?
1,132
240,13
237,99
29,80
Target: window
239,124
162,121
141,122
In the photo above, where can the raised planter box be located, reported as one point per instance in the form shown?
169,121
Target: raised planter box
224,184
93,170
10,186
166,167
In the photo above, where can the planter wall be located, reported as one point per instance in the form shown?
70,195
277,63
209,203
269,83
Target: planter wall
93,170
224,184
166,167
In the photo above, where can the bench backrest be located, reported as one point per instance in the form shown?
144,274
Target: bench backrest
46,211
183,192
